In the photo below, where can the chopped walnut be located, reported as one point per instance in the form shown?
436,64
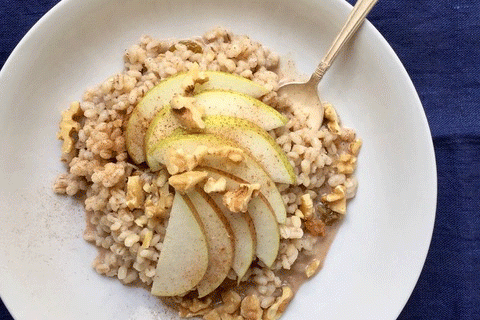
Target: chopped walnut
337,194
355,146
195,307
316,227
346,163
306,206
178,161
212,315
276,310
147,239
186,181
312,268
188,113
339,206
135,195
237,200
226,316
336,200
194,76
332,118
213,185
161,179
231,302
250,308
157,207
230,153
68,125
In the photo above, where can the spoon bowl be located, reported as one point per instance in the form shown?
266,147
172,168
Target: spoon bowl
304,96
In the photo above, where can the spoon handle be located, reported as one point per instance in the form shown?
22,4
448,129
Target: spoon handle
354,21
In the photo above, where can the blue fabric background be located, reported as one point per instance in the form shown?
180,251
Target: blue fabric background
439,44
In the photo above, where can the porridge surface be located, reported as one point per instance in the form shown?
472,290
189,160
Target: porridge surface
127,205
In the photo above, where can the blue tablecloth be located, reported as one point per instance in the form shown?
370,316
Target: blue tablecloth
439,44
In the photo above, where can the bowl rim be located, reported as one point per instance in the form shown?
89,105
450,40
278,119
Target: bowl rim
13,306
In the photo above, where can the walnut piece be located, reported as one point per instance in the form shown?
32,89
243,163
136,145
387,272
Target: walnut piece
213,185
337,194
177,161
157,207
231,303
212,315
188,113
250,308
346,163
147,239
68,125
355,146
336,200
312,268
135,195
186,181
233,154
237,200
275,311
331,116
306,206
195,307
194,76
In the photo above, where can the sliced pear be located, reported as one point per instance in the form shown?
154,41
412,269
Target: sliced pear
244,236
233,182
264,221
219,239
245,133
266,231
184,257
152,102
257,141
235,104
248,169
162,93
162,125
227,81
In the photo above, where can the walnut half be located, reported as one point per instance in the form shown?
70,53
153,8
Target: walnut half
237,200
276,310
213,185
186,181
250,308
194,76
336,200
177,161
68,125
306,206
135,195
188,113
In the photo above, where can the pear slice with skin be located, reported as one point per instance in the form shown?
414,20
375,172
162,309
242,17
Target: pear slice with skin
234,182
247,134
184,257
265,224
248,169
244,235
257,141
163,92
266,231
219,238
239,105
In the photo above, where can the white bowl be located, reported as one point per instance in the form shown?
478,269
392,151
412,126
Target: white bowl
373,265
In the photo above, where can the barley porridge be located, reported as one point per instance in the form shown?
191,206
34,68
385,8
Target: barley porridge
211,171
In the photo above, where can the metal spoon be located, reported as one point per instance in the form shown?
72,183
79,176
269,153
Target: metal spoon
305,94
